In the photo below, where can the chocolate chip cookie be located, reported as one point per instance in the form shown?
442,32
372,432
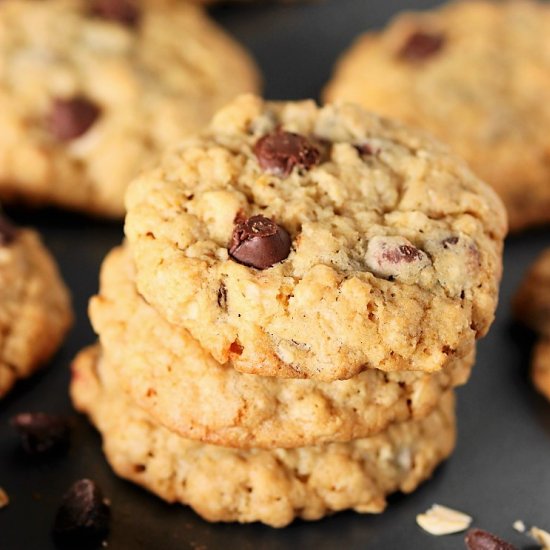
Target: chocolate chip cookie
308,242
92,90
532,307
476,74
275,486
183,388
35,310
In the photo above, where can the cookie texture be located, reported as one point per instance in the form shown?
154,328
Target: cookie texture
395,246
532,307
182,387
476,74
92,90
273,487
35,309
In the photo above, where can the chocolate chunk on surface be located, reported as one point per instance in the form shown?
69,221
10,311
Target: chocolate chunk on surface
82,519
71,118
479,539
279,152
41,433
259,242
421,45
122,11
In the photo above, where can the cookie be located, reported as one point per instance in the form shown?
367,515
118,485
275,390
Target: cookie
273,487
308,242
35,310
92,90
540,371
183,388
476,74
532,307
532,300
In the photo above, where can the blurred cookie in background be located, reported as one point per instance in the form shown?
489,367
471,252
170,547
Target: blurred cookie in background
90,92
477,75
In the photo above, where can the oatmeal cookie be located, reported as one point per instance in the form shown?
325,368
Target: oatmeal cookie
92,90
308,242
271,486
476,74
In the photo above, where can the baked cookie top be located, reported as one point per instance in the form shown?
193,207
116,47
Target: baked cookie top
476,74
271,486
310,242
35,308
92,90
182,387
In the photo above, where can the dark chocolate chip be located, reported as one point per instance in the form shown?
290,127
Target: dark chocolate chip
279,152
70,118
82,519
421,45
365,150
41,433
478,539
259,242
8,231
449,241
121,11
403,253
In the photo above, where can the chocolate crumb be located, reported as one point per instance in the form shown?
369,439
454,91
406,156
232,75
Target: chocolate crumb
42,433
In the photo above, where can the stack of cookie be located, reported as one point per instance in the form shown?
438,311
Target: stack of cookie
300,291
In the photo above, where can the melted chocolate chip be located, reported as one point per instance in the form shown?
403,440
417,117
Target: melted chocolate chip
279,152
403,253
42,433
70,118
259,242
478,539
121,11
82,519
421,45
8,231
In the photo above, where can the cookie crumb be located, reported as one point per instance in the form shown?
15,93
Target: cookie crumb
519,526
4,498
541,536
441,520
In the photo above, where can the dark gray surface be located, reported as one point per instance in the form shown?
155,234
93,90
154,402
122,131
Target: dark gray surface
501,468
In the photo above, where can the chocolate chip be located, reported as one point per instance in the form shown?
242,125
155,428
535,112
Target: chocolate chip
41,433
279,152
421,45
8,231
404,253
449,241
259,242
478,539
365,150
121,11
70,118
82,519
236,348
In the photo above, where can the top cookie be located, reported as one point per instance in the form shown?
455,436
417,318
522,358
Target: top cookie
306,242
477,75
91,90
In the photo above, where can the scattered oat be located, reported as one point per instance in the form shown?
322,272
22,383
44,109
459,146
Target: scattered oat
4,499
541,536
519,526
441,520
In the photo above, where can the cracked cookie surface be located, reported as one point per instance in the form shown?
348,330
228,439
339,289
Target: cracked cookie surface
91,91
182,387
35,309
395,246
271,486
476,74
